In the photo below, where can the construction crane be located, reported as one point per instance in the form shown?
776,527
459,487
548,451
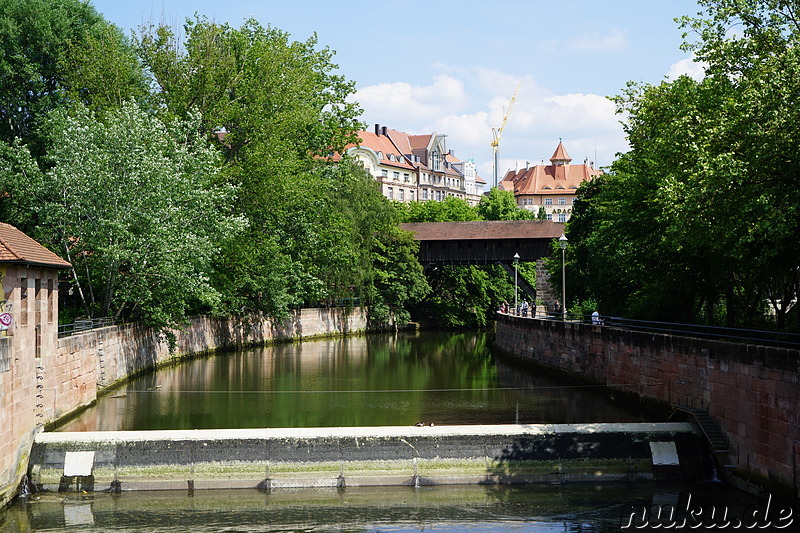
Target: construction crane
497,132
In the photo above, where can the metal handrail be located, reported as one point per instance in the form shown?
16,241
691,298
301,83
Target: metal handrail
752,336
80,326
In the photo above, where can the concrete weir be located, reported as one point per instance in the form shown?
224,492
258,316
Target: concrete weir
364,456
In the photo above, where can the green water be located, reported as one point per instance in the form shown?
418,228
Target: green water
575,509
444,378
378,380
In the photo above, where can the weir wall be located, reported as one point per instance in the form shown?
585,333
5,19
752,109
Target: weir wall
752,392
364,456
67,373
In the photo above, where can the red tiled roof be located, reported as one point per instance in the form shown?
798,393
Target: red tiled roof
383,144
561,153
483,229
16,247
549,179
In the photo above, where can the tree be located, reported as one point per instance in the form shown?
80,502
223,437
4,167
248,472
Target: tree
697,222
54,52
280,109
451,209
131,203
501,205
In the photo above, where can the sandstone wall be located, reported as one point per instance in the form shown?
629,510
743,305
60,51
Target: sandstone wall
753,392
69,371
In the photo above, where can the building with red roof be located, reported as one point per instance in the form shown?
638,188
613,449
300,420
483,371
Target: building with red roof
552,187
416,167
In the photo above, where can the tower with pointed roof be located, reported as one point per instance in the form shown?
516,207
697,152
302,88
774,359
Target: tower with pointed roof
552,188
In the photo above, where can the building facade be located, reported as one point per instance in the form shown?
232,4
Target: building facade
416,167
28,346
550,187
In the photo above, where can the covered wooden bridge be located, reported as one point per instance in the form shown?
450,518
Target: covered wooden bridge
485,243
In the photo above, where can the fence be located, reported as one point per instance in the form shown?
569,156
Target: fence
750,336
79,326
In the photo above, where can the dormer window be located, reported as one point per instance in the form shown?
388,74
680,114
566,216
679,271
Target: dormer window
380,155
391,157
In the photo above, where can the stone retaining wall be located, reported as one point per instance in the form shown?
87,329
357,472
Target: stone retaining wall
38,390
753,392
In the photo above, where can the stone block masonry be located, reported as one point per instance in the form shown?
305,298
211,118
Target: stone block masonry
48,378
364,456
752,392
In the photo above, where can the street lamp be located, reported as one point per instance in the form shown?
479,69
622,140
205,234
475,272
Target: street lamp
516,260
562,241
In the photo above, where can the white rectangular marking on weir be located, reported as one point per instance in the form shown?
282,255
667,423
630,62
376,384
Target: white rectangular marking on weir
78,463
664,453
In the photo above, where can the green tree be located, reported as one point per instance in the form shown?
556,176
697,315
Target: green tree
54,52
697,221
501,205
451,209
131,202
279,108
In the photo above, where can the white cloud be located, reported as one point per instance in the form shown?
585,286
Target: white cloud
688,66
465,104
403,101
616,40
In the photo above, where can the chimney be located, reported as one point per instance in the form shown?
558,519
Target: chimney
378,129
383,131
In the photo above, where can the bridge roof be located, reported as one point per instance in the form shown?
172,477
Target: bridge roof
485,230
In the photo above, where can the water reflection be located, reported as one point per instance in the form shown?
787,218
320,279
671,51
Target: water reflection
376,380
578,508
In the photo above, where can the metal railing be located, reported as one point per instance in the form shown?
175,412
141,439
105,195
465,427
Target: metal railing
80,326
749,336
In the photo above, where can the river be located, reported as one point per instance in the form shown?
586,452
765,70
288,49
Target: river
376,380
394,379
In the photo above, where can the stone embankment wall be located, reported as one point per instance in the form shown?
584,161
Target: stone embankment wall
39,390
751,391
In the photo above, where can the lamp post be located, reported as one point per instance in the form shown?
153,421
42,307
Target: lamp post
516,260
562,241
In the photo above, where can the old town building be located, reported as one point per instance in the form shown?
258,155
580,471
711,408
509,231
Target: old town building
550,187
416,167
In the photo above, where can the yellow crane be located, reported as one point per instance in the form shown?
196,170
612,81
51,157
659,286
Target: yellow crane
497,132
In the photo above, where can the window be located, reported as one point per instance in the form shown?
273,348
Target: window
396,175
562,201
548,201
391,157
424,194
406,176
402,195
49,300
23,296
384,173
562,217
390,193
549,216
380,155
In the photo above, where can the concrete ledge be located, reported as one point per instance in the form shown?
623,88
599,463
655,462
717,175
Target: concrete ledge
363,456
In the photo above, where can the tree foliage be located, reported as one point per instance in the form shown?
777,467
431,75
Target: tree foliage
54,53
699,220
132,203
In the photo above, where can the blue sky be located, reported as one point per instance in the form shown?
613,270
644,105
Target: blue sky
452,67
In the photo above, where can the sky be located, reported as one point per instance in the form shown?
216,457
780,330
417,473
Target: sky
452,67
